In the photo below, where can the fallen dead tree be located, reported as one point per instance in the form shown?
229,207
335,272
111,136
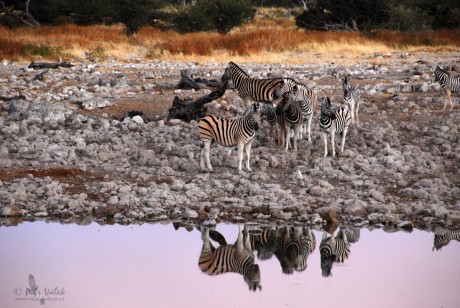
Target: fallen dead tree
188,82
189,109
54,65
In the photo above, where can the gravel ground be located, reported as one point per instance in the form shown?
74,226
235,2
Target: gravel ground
67,152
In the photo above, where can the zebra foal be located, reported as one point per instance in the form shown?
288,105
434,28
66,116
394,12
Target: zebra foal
351,98
448,83
289,116
255,89
333,120
239,131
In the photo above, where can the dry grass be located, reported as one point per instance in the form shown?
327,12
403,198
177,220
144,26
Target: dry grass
264,40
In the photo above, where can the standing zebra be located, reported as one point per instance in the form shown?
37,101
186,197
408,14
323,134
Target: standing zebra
333,249
289,116
236,258
351,98
441,240
307,99
269,111
333,120
448,83
238,131
255,89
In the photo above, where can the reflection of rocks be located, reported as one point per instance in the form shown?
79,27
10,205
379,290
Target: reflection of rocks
399,166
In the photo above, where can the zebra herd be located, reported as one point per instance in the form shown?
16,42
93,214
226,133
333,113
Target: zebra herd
293,113
290,245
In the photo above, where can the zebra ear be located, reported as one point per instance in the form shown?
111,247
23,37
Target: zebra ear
328,100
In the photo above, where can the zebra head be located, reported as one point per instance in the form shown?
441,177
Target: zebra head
252,277
233,70
346,84
439,73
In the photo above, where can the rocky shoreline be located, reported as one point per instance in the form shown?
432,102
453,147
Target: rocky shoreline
65,153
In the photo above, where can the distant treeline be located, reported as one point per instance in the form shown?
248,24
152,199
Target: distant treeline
223,15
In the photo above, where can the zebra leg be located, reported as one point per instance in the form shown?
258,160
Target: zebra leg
247,148
333,142
207,151
287,137
240,156
325,143
309,127
296,135
356,114
342,144
450,99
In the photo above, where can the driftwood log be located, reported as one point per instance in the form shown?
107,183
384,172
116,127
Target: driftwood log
189,109
187,82
38,65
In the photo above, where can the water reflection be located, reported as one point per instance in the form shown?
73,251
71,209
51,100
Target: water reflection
293,246
336,248
153,265
443,238
237,258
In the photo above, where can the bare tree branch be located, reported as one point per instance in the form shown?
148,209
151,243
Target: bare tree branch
23,16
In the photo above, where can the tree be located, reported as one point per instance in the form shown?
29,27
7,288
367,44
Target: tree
226,15
211,15
134,13
20,14
340,15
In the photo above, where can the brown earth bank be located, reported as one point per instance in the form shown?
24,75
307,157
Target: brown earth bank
71,151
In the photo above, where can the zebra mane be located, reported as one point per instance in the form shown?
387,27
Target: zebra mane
232,64
438,68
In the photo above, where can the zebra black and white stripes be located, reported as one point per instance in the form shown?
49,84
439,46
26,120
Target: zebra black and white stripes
239,131
289,116
307,99
269,111
333,120
448,83
255,89
351,97
236,258
333,249
441,240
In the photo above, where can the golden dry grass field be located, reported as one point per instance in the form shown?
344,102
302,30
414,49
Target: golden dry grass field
262,41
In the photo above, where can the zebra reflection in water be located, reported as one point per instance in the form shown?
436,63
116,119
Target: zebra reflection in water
237,258
442,239
293,246
336,248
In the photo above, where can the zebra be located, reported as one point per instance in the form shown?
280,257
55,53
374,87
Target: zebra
333,249
238,131
352,233
441,240
350,99
237,258
307,99
333,120
255,89
264,243
269,111
448,83
293,246
289,116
